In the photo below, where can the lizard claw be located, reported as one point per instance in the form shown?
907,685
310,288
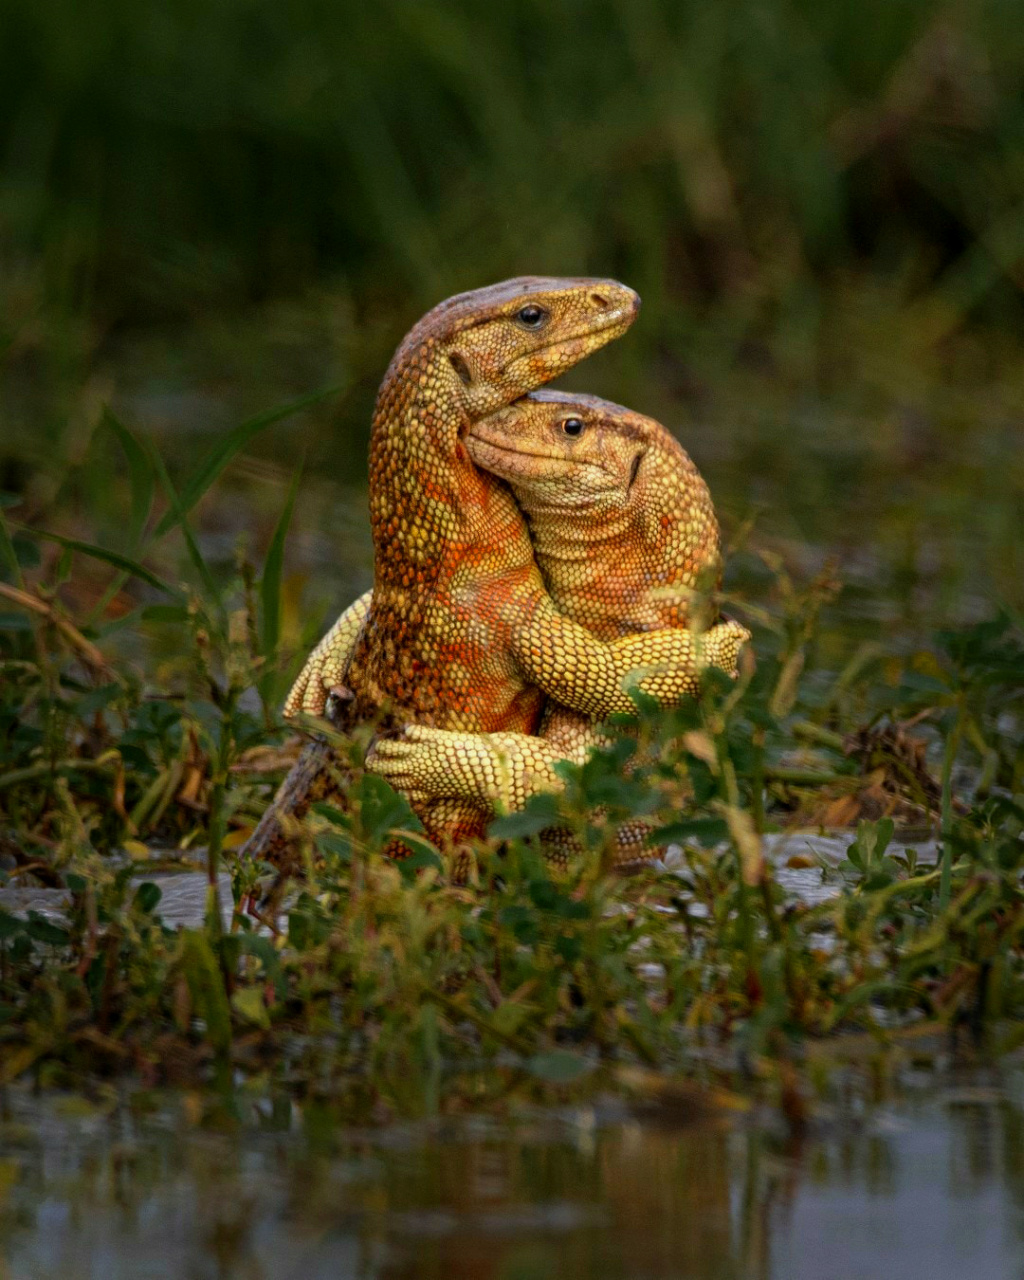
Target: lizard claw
309,694
383,749
722,645
293,704
422,734
319,681
338,697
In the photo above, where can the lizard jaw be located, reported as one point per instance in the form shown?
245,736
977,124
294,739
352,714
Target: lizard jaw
533,467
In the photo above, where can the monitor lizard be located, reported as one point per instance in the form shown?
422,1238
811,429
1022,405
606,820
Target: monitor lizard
460,632
624,533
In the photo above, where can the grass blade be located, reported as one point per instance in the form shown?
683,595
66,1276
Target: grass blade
8,552
224,450
140,472
270,584
126,563
180,518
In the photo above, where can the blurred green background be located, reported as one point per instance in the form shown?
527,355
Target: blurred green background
209,208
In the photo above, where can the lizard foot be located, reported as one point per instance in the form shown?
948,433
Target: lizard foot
406,761
309,694
318,681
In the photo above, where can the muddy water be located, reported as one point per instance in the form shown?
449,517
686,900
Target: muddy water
929,1186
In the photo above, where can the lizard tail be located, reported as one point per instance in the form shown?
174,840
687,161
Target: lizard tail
312,778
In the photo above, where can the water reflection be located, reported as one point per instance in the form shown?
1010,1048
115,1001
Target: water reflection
931,1186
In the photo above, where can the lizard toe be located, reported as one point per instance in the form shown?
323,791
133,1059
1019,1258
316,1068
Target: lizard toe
295,702
422,734
387,752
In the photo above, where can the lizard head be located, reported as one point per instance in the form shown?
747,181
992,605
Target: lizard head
567,451
613,502
500,342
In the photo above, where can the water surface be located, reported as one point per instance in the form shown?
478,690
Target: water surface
928,1186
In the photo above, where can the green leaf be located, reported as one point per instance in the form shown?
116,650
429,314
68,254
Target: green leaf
140,473
423,855
545,895
114,558
523,923
248,1003
307,926
706,831
147,896
558,1067
568,947
540,813
43,930
10,925
27,550
270,584
509,1017
176,613
195,555
337,843
206,986
333,815
255,944
222,453
95,700
382,810
62,571
7,552
871,843
15,622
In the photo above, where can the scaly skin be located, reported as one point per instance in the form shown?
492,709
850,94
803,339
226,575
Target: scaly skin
325,666
461,633
623,528
450,545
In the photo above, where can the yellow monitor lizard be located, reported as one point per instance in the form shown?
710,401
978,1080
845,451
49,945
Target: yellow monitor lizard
460,632
624,534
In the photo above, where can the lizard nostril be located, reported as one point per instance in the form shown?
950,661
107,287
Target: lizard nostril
600,301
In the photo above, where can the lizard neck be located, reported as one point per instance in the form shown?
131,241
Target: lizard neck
428,501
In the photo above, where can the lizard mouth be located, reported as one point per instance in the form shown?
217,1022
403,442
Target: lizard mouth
478,437
515,463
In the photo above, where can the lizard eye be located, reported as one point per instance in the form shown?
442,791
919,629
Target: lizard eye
572,426
532,317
